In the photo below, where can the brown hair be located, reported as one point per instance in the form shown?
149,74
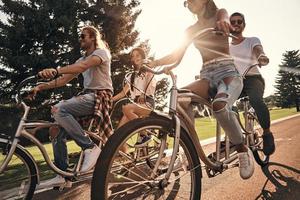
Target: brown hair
94,32
141,51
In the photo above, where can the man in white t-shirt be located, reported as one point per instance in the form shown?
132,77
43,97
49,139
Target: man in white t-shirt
95,68
246,52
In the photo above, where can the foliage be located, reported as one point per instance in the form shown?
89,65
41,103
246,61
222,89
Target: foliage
44,33
288,81
270,101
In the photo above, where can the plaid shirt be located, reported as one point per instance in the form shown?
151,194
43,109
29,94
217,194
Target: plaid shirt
103,106
101,118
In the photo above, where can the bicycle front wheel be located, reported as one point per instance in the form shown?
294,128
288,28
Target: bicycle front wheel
19,178
257,142
138,171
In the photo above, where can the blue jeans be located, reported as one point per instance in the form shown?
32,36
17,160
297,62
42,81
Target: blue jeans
215,73
64,114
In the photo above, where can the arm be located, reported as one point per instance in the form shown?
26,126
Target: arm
121,94
174,56
260,55
223,21
58,82
80,66
69,72
75,68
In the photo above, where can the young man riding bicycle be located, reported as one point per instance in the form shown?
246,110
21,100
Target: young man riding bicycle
247,51
94,99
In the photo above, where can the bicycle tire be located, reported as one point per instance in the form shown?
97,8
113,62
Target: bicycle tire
257,146
15,183
103,175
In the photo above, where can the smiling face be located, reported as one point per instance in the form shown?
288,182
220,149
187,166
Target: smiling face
86,40
238,24
137,57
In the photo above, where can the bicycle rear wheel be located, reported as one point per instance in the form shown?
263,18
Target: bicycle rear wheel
257,144
126,175
19,178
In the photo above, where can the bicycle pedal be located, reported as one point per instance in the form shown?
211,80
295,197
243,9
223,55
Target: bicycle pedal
67,184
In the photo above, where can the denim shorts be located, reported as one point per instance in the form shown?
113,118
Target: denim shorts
215,73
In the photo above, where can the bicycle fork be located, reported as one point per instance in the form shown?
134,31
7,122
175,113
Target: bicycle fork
164,182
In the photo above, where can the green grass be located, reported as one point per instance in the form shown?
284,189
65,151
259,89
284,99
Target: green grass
280,113
205,128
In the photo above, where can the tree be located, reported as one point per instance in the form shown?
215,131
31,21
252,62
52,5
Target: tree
44,33
288,80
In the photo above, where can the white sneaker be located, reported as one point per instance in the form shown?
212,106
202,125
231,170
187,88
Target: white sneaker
54,182
246,164
90,158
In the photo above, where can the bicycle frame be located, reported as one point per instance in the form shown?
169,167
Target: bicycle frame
34,127
184,120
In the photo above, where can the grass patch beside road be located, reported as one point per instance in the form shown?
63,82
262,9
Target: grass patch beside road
206,127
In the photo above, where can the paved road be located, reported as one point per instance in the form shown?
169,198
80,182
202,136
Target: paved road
279,181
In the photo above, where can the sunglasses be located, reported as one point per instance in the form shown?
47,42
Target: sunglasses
239,22
82,36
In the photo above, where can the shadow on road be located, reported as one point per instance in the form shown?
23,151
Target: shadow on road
284,178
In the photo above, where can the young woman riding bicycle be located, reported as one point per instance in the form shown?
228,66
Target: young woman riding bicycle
219,79
141,88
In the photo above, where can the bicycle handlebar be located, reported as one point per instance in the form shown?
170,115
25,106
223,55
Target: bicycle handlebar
197,34
23,83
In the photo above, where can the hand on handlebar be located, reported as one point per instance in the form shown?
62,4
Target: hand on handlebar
167,69
263,60
49,73
149,63
31,96
224,26
141,99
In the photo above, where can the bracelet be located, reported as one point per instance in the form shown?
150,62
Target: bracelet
56,71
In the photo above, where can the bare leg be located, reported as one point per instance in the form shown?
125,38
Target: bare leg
199,87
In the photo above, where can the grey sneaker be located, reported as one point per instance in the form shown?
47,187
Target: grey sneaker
57,181
90,158
246,164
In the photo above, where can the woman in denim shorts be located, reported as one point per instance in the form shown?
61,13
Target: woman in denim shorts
219,79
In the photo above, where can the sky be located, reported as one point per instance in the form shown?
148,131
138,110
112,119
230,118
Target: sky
275,22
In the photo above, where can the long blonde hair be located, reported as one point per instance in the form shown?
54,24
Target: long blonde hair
94,32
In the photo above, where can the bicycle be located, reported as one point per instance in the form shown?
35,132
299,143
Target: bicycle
172,169
19,173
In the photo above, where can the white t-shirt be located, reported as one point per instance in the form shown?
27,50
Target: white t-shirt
98,77
141,82
243,55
